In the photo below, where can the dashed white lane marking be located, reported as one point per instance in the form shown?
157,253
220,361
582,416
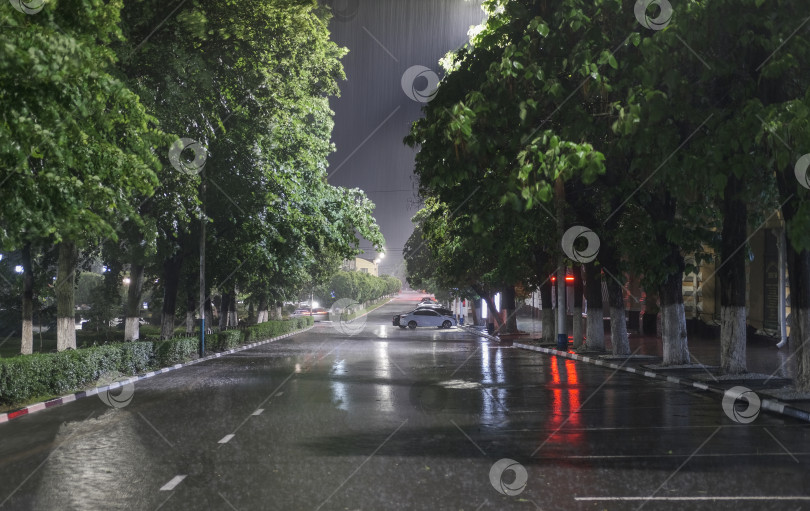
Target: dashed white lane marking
173,483
258,412
226,439
278,394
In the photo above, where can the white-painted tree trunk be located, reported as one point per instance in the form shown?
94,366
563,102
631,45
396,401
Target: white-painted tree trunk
65,334
131,329
577,330
27,340
232,319
595,329
262,317
547,326
732,339
27,346
63,289
673,333
618,332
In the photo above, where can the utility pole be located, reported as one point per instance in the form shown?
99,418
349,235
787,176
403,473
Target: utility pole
562,336
202,265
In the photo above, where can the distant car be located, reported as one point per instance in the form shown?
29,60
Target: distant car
430,305
428,300
318,313
426,317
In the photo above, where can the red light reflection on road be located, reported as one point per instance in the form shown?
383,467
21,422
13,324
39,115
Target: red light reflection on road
565,403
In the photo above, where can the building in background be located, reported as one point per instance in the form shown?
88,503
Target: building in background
362,265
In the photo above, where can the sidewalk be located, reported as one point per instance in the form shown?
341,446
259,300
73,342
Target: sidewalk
763,357
770,369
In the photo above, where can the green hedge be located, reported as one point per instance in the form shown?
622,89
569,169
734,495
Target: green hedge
225,340
275,328
43,375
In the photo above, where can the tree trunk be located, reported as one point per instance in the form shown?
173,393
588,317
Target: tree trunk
508,305
171,281
649,325
232,316
27,344
191,309
578,290
799,278
224,309
798,264
673,320
492,313
474,314
262,315
732,280
618,325
64,290
209,311
192,305
595,332
547,314
134,294
276,312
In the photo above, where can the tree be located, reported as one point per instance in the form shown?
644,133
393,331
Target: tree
77,151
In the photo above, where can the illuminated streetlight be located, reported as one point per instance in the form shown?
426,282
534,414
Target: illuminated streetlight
18,269
126,280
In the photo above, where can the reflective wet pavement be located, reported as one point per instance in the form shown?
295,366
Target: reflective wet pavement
401,419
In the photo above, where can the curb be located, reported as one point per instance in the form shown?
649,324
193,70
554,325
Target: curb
769,405
36,407
475,331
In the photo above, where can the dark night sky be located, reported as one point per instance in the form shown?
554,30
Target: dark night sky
374,114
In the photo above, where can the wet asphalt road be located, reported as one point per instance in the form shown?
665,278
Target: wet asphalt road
401,419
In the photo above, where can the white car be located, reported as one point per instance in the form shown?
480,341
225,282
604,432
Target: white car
426,317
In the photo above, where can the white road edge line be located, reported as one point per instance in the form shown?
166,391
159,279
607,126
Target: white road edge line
173,483
226,439
701,498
